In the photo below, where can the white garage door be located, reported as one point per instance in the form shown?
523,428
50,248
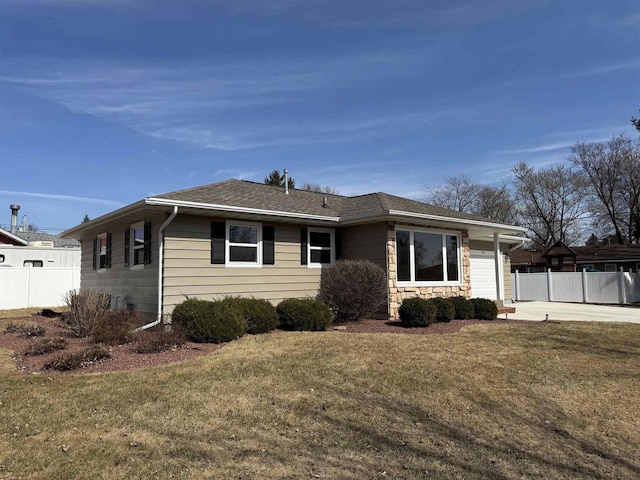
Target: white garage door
483,275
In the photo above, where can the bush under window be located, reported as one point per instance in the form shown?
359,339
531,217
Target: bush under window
206,321
304,314
463,308
445,310
417,312
485,309
260,315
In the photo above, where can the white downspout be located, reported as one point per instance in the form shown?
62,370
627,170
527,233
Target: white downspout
160,273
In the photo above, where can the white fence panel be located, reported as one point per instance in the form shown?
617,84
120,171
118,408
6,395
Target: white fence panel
36,287
531,286
566,287
597,287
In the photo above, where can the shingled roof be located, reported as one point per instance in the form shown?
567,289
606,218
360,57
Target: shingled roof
58,242
245,194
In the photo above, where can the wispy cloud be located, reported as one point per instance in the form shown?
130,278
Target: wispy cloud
224,106
604,69
537,149
64,198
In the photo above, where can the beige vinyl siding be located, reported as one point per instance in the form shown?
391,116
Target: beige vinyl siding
188,271
366,242
137,286
506,263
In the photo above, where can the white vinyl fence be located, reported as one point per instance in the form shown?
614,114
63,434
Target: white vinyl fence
583,287
23,287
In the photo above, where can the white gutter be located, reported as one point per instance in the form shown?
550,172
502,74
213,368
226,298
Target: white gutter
160,273
465,221
234,209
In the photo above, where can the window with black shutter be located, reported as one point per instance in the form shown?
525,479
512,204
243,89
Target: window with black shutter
268,246
217,242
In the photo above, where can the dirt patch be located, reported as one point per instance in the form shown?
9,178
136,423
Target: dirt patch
123,357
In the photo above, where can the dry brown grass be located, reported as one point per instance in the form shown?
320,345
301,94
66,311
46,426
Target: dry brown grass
549,400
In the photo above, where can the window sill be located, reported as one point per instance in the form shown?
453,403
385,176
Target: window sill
243,265
428,284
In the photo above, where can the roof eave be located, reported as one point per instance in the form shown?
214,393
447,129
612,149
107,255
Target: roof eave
13,237
74,231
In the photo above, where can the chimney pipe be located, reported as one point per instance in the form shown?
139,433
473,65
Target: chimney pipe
14,217
286,181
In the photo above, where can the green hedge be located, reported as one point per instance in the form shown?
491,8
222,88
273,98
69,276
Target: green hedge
206,321
485,309
260,315
463,308
444,309
417,312
304,314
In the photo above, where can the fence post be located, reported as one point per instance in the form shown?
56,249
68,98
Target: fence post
621,289
584,287
549,286
517,282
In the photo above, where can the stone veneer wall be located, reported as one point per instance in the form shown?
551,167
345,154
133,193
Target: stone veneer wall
397,294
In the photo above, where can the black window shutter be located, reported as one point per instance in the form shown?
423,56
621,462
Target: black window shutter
95,252
268,246
127,246
217,242
338,240
108,262
303,246
147,243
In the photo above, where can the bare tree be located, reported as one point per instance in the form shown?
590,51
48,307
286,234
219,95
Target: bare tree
613,170
316,187
550,202
459,194
464,195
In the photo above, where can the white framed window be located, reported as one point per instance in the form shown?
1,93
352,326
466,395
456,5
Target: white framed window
426,257
101,251
610,267
137,244
33,263
243,244
321,247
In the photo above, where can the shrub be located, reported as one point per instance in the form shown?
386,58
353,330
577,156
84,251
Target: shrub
85,308
115,327
444,309
158,341
25,330
260,315
81,359
485,309
463,308
43,346
353,289
417,312
304,314
206,321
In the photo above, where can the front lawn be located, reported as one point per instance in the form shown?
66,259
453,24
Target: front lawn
532,400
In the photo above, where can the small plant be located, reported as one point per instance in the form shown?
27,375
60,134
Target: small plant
463,308
25,330
209,321
42,346
158,341
260,315
445,310
485,309
115,327
417,312
85,309
353,289
81,359
304,314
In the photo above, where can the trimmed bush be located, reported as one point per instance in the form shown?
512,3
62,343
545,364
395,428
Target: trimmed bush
463,308
42,346
85,309
158,341
417,312
81,359
304,314
25,330
115,327
353,289
206,321
445,310
260,315
485,309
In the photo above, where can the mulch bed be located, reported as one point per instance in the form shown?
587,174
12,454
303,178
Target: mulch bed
124,358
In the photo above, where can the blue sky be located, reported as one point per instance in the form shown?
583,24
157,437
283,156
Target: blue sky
105,102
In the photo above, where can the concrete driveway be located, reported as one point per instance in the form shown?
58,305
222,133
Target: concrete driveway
574,312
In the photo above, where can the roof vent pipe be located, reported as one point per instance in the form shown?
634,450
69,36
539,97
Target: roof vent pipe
325,204
286,181
14,217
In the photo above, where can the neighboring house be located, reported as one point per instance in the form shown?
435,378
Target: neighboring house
37,249
562,258
243,238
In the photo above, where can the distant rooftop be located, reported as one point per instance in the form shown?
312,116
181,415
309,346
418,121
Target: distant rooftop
48,237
